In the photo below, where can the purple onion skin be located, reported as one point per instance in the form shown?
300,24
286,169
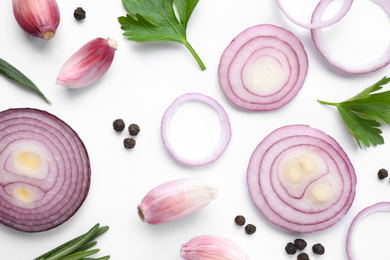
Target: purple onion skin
71,166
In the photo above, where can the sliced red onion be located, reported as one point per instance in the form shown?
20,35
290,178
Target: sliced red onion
320,43
224,136
45,170
319,23
301,179
378,207
263,68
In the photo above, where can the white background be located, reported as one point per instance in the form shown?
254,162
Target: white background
143,81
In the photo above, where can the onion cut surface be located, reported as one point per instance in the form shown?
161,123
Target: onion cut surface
378,207
45,173
317,24
263,68
320,43
300,179
225,135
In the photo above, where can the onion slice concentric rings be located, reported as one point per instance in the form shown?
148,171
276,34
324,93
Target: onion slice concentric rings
377,207
320,43
319,23
263,68
224,136
300,179
45,173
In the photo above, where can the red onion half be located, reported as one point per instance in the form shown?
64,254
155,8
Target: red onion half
301,179
319,41
45,170
378,207
224,136
263,68
319,23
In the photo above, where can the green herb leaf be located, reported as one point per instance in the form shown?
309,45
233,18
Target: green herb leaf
155,20
361,111
12,73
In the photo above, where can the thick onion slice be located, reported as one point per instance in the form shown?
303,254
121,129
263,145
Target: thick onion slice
320,43
263,68
317,24
45,170
224,136
301,179
378,207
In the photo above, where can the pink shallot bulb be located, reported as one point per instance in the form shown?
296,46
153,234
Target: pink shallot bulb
175,199
88,64
38,18
209,247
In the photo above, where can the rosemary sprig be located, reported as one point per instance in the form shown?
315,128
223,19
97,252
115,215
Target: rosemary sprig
13,73
77,248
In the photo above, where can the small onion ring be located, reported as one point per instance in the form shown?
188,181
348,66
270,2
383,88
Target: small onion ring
291,206
319,24
263,41
225,128
377,207
35,198
319,42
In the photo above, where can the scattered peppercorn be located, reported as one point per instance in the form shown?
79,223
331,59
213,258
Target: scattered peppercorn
250,229
318,249
118,125
239,220
300,243
79,13
382,173
129,143
303,256
134,129
290,248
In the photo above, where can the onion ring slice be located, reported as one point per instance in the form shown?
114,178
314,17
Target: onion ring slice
318,24
300,179
263,68
319,41
378,207
225,135
45,173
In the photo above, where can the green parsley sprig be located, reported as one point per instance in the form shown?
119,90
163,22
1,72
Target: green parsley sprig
360,111
155,20
77,248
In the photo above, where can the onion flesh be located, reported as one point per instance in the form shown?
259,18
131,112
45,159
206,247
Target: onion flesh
319,41
318,24
263,68
225,134
300,179
45,173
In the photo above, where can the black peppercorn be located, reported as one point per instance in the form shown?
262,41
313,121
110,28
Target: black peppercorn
79,13
129,143
318,249
118,125
303,256
239,220
300,243
250,229
134,129
290,248
382,173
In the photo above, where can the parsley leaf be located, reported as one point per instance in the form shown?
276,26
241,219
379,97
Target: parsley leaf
155,20
360,111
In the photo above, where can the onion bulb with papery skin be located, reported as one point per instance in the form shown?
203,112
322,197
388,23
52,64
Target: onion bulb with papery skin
263,68
45,170
300,179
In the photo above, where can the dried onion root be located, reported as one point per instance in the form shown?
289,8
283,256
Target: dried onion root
300,179
45,173
263,68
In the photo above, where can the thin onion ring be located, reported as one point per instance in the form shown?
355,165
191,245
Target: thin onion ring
225,128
